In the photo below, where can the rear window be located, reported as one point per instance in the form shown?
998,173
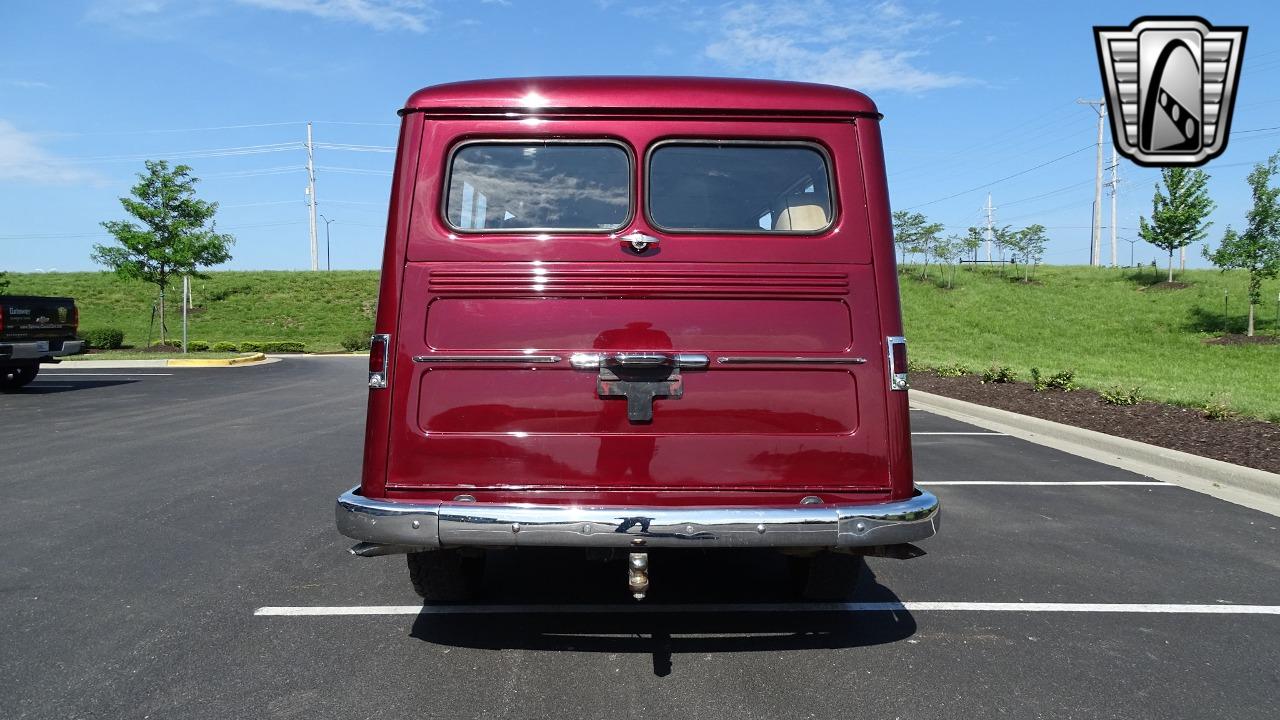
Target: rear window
739,187
539,186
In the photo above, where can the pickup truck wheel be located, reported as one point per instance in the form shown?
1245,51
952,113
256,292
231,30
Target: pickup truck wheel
13,377
827,576
446,575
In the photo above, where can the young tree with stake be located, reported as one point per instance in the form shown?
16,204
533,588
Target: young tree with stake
176,235
912,232
1178,219
1029,243
1257,249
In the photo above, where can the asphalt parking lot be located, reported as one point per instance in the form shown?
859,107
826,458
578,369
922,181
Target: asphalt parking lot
149,516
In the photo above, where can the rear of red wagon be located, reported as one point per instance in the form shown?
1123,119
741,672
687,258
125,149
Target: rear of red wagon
638,293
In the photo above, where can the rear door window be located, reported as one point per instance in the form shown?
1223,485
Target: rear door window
737,187
535,186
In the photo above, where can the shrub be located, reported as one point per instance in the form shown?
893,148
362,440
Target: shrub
1064,381
250,347
355,343
1120,395
104,338
225,347
952,370
197,346
1216,409
283,347
999,374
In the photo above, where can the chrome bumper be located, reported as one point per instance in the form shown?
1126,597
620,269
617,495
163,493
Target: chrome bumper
419,525
30,350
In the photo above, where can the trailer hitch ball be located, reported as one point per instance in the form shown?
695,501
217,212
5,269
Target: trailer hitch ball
638,574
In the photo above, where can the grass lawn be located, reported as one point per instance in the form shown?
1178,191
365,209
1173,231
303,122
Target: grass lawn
318,309
138,355
1107,326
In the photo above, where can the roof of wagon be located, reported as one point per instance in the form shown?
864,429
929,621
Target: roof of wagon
643,94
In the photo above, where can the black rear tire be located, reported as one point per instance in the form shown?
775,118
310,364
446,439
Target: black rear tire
444,576
827,576
16,376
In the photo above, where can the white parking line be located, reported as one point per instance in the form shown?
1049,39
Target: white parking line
987,432
1041,607
83,374
1047,483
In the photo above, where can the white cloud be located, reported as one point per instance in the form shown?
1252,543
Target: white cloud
864,46
24,84
23,160
163,16
378,14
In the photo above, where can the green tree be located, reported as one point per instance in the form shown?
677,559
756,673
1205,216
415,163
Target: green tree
1029,243
972,240
912,232
1257,249
950,250
4,283
175,234
1178,218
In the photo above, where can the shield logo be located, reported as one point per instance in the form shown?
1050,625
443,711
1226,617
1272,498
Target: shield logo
62,314
1170,87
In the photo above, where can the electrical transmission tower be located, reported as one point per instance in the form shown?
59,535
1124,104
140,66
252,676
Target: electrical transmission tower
991,233
311,200
1114,185
1095,246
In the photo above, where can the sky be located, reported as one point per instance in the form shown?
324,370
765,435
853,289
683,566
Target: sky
977,98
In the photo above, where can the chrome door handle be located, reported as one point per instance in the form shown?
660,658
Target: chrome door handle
640,359
639,241
595,361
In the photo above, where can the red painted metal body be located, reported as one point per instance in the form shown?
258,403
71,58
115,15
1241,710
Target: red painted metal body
741,434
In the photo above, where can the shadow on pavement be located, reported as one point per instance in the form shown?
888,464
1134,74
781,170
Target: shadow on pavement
51,385
558,580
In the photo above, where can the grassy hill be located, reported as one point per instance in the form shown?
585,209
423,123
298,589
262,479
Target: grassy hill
1105,324
1109,326
318,309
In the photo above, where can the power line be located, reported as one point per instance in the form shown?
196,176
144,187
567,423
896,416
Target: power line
1000,180
352,171
180,130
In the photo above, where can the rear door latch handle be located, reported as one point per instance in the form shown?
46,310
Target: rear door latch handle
595,361
638,241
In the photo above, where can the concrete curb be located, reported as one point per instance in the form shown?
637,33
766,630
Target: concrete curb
1246,486
226,362
255,359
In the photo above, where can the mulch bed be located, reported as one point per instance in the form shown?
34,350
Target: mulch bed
1253,443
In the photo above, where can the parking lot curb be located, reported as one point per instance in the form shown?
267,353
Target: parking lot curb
1246,486
227,362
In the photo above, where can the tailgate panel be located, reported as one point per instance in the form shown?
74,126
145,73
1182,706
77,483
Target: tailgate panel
562,401
706,325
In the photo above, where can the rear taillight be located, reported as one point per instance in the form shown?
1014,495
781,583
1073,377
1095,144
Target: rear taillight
897,363
75,319
1,318
379,348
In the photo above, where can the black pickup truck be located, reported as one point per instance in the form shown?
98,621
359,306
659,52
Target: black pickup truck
34,330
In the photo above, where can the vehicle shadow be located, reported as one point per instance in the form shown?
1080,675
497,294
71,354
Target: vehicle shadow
544,586
52,385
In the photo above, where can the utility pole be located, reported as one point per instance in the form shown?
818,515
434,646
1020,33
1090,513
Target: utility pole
991,233
328,264
311,199
1114,184
1095,246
